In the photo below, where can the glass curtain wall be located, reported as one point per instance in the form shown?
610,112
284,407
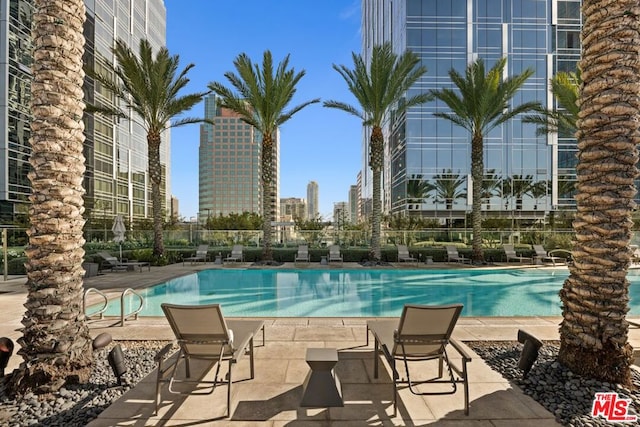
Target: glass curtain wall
428,171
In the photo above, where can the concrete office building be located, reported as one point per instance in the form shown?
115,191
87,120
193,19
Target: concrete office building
313,209
116,178
229,164
292,208
540,34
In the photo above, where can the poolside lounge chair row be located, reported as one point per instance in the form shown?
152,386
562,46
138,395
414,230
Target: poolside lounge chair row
201,255
421,334
111,263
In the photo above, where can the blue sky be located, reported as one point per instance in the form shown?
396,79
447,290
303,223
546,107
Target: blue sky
318,143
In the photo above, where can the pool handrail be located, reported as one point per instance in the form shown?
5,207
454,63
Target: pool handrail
101,310
134,313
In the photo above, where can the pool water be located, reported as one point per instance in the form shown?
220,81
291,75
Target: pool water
363,293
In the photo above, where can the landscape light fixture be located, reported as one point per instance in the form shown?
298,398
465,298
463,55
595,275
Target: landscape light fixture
529,351
116,361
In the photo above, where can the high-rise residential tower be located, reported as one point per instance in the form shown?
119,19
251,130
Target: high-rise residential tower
313,209
354,202
116,178
532,174
229,164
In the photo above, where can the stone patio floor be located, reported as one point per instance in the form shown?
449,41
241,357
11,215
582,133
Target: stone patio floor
272,398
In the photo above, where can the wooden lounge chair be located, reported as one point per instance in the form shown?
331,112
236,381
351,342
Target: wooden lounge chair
303,254
453,255
404,256
202,332
200,255
422,334
510,252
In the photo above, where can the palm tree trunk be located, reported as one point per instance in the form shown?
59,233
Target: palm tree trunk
477,172
376,162
55,344
594,330
268,197
155,174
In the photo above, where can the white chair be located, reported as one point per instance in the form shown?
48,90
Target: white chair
200,255
404,256
334,254
453,255
303,254
510,252
543,255
236,254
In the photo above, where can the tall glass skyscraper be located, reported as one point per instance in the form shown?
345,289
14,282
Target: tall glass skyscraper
116,178
525,173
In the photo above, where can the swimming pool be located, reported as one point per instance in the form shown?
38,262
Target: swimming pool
363,292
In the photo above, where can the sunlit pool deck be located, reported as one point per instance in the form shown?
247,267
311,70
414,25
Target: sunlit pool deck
272,398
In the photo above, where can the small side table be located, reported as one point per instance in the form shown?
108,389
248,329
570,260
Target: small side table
321,387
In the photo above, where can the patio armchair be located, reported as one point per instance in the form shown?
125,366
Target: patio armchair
202,332
236,254
422,334
200,255
334,254
453,255
510,252
404,256
543,255
303,254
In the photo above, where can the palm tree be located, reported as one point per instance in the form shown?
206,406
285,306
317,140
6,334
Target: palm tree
261,102
380,89
595,296
516,187
481,104
490,185
538,191
418,190
448,186
55,342
149,87
565,87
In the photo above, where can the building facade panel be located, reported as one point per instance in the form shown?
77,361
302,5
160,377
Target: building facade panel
530,173
229,164
116,178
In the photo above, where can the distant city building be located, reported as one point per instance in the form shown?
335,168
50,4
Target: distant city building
543,35
353,204
341,215
312,200
229,164
360,208
293,208
175,207
116,179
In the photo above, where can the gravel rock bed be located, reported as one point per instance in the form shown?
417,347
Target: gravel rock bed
77,405
569,397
